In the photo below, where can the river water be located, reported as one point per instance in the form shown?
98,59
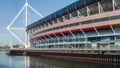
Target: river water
37,62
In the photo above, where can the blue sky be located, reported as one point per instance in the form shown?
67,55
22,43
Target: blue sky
9,9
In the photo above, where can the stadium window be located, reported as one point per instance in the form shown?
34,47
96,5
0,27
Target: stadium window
114,17
101,19
118,37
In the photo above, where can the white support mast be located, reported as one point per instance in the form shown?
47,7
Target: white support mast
10,44
26,23
9,28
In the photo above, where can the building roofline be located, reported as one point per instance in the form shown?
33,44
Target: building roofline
64,8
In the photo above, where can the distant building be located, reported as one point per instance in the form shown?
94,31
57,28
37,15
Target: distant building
83,24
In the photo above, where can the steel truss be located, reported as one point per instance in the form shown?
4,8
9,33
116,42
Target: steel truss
26,43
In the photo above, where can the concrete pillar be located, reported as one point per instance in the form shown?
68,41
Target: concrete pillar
94,45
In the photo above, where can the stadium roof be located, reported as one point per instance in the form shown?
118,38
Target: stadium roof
68,9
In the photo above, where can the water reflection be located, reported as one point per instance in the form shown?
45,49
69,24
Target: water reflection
37,62
11,61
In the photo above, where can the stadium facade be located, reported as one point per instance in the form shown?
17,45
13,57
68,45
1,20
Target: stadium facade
85,24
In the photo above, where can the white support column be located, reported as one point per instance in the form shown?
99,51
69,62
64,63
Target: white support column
113,3
70,16
74,38
11,46
63,39
45,39
100,7
83,33
78,13
58,20
56,36
63,35
35,43
42,39
39,42
57,39
85,36
44,24
97,31
53,22
72,34
26,23
88,10
50,39
64,19
112,29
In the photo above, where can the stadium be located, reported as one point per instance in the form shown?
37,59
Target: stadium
85,24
